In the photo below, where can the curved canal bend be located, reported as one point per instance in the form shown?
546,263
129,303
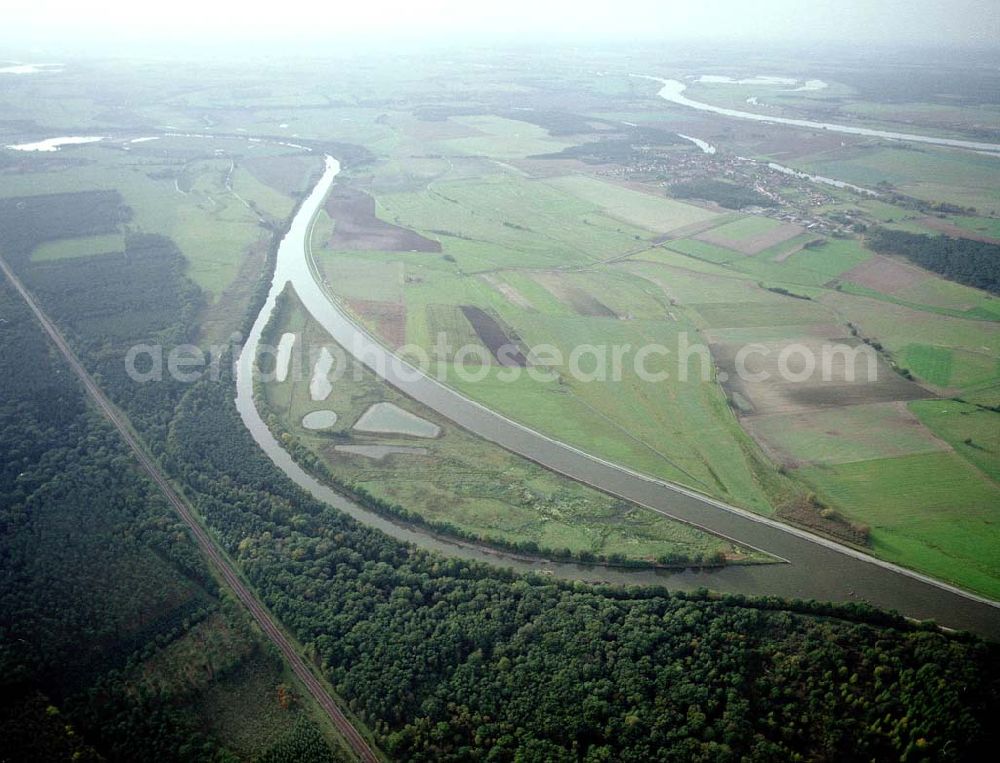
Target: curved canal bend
816,568
672,90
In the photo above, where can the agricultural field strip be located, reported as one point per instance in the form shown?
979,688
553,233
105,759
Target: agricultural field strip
207,545
746,276
522,428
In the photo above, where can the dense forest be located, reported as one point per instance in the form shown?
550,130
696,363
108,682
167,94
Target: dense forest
115,640
451,660
973,263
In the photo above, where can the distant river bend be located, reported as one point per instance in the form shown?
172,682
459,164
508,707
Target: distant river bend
673,91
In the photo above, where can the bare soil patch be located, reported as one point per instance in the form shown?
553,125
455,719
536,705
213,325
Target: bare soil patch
753,244
357,228
389,319
953,230
494,336
848,379
885,275
582,302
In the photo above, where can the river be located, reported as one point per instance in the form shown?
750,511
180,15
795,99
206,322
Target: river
814,568
673,91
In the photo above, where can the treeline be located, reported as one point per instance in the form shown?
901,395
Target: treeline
452,660
728,195
973,263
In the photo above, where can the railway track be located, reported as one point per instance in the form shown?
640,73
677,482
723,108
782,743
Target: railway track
205,542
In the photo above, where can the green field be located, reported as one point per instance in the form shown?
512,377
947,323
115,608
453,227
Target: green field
933,512
646,210
972,431
986,226
833,257
83,246
453,479
703,250
745,227
926,173
505,220
974,345
504,138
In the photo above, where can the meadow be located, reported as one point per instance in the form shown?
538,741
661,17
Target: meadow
933,512
459,483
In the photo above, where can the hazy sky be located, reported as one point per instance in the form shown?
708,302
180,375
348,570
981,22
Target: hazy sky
52,23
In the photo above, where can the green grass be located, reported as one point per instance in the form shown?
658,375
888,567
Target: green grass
973,432
449,322
84,246
679,430
653,212
937,292
787,312
363,275
933,512
933,364
505,220
829,260
745,227
987,226
540,297
274,202
690,282
985,310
